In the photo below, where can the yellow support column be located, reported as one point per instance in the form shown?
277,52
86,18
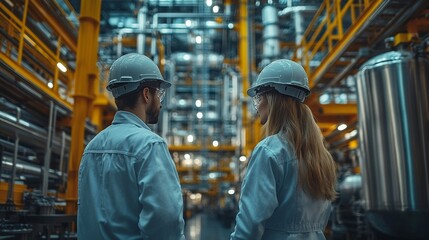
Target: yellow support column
86,75
244,68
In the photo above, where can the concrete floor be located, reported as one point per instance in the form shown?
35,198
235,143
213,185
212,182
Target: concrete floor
206,226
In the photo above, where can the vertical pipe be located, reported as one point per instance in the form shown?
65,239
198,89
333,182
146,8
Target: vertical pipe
299,32
119,47
271,46
63,148
47,160
226,96
86,75
153,41
15,157
170,91
141,37
1,157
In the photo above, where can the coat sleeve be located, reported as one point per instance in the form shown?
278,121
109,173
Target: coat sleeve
258,198
160,195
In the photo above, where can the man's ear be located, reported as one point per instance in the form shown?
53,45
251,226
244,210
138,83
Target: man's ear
145,94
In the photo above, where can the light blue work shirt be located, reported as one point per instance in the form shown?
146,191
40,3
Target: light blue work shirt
272,205
128,185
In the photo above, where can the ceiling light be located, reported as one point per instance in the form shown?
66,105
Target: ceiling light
231,191
215,143
216,9
198,103
243,158
199,115
190,138
188,23
209,3
341,127
61,67
9,2
50,85
198,39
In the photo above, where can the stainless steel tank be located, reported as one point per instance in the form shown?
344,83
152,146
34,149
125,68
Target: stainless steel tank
393,113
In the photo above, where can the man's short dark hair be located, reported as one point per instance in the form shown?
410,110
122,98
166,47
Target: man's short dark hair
130,100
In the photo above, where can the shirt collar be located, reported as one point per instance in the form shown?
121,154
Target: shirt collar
128,117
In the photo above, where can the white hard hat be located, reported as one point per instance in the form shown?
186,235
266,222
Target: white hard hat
285,76
132,70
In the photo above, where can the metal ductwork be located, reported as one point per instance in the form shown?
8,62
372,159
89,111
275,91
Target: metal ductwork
393,110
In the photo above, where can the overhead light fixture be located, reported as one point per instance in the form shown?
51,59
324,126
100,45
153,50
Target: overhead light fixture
243,158
9,2
61,67
215,8
231,191
215,143
199,115
188,23
50,85
198,39
190,138
198,103
341,127
209,3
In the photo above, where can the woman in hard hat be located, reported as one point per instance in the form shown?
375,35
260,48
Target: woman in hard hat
290,179
128,184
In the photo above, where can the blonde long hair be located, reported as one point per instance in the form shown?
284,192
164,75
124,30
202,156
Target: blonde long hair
317,174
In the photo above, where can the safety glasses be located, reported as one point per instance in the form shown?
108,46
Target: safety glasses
160,92
257,101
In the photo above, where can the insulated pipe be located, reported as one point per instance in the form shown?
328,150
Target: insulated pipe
271,46
141,19
170,66
297,11
21,168
119,47
48,151
15,157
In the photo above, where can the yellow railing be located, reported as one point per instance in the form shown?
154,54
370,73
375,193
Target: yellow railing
33,58
334,21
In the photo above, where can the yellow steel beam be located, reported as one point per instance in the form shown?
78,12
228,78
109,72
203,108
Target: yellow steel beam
86,75
327,125
22,32
67,37
338,109
244,64
29,76
343,43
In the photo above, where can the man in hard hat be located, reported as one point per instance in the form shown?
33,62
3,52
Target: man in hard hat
128,184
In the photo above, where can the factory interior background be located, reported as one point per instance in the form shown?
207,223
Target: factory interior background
368,68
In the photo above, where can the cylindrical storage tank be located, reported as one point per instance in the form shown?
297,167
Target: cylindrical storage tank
393,112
